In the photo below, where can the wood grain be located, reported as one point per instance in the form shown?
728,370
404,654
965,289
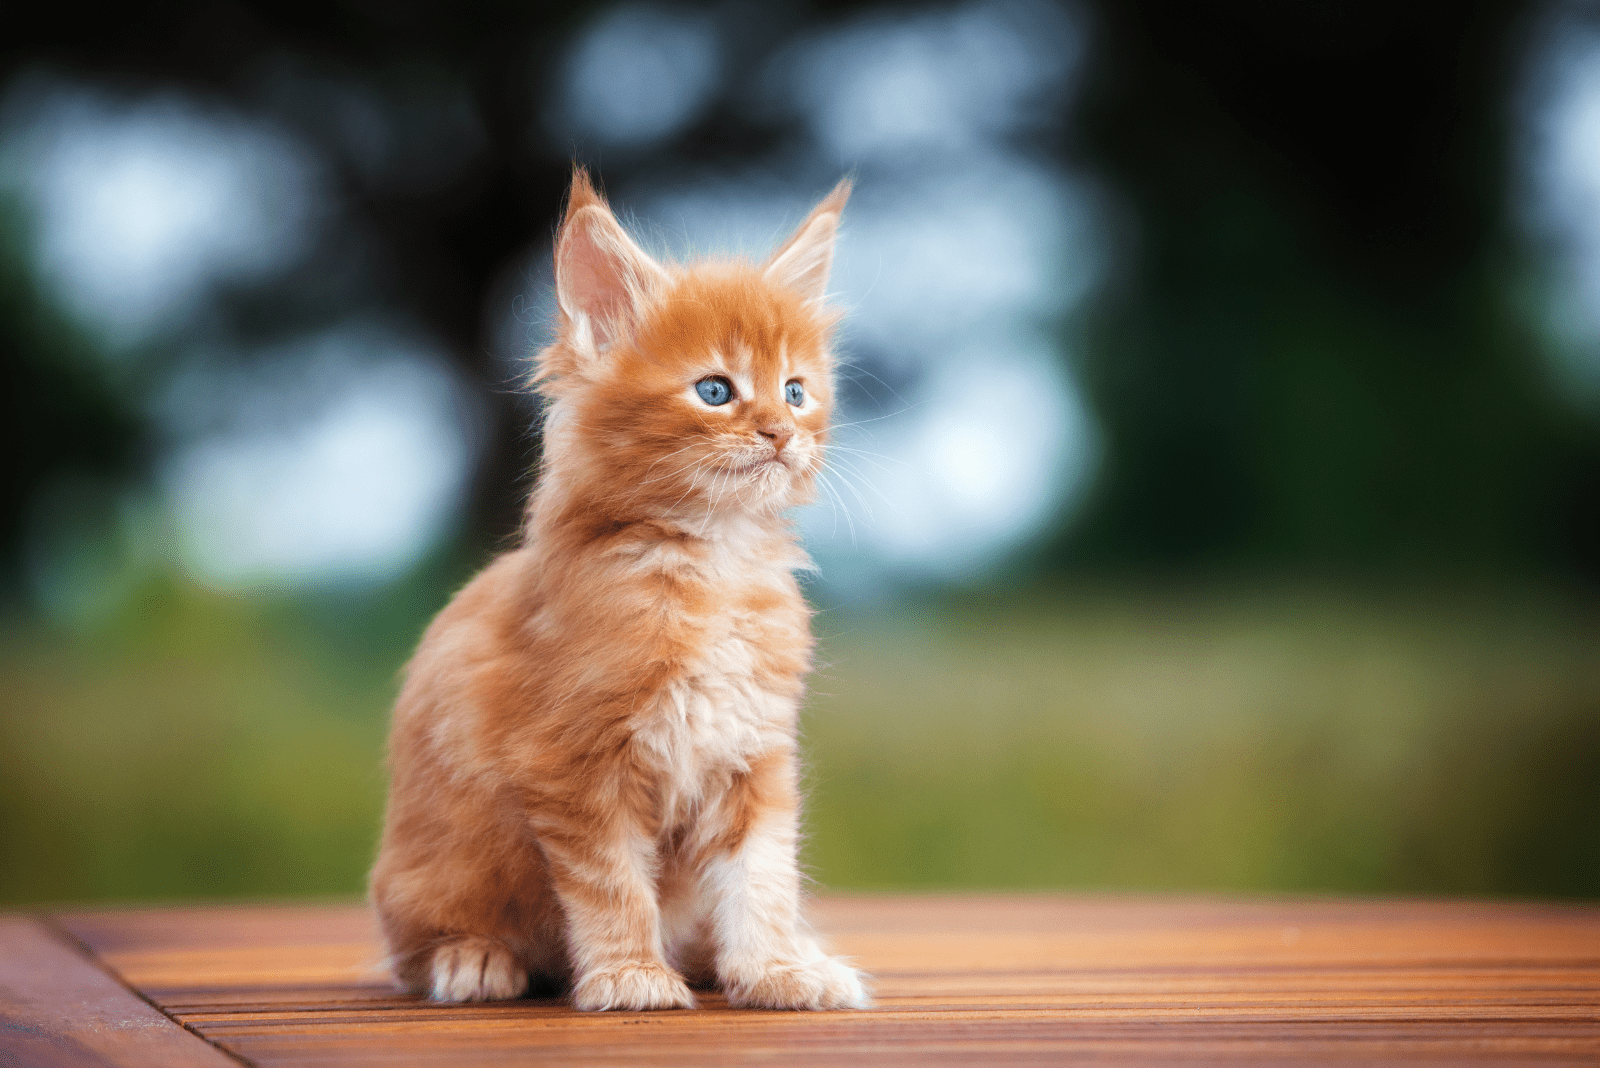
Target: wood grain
58,1008
980,980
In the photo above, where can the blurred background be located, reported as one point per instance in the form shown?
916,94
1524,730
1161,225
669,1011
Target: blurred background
1217,504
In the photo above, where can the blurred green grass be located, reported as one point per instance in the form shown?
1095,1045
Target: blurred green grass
202,749
212,747
1268,742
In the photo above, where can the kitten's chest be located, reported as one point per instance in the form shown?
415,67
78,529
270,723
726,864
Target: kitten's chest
737,698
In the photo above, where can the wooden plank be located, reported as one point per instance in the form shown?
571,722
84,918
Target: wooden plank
960,980
58,1008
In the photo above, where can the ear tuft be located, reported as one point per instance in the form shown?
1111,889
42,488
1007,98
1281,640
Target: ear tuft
581,194
603,279
802,263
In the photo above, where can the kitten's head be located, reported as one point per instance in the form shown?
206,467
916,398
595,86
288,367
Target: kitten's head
688,389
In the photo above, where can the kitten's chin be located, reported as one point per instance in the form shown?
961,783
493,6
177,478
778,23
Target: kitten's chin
770,486
797,490
764,487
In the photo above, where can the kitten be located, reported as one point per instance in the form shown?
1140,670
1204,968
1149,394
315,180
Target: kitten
593,759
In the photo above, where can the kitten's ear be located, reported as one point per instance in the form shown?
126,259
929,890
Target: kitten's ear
603,279
802,263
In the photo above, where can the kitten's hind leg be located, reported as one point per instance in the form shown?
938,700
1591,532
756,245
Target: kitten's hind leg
473,968
467,911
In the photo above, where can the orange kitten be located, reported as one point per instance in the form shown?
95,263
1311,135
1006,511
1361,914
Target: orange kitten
593,756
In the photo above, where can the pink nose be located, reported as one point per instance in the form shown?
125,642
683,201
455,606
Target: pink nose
777,434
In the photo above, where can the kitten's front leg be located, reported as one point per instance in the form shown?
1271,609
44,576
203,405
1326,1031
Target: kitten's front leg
603,872
765,957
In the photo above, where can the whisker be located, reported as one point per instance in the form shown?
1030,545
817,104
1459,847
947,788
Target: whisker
833,505
661,459
839,506
877,418
851,486
713,501
858,369
869,455
690,488
844,467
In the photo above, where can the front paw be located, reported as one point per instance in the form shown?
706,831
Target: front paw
828,983
635,986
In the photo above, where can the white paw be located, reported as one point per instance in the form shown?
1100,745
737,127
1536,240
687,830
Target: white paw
476,969
828,983
634,986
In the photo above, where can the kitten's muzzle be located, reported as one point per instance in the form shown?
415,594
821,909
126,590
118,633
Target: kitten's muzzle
778,434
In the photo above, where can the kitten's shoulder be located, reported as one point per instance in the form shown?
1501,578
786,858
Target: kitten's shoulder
495,597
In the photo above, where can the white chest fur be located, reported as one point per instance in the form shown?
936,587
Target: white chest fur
712,722
719,715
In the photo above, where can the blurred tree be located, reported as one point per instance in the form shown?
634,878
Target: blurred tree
423,230
429,250
1307,357
61,416
1310,359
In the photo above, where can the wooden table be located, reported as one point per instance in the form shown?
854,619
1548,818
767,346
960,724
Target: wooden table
980,980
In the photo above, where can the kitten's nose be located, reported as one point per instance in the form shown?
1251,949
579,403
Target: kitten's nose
778,434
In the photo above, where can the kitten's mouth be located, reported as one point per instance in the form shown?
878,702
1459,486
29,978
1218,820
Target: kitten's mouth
761,465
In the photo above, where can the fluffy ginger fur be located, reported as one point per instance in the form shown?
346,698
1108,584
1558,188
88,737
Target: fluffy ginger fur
593,762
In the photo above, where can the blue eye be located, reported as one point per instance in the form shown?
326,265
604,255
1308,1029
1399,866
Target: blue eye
795,394
714,391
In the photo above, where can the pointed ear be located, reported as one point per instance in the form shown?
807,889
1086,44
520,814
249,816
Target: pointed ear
803,261
603,279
